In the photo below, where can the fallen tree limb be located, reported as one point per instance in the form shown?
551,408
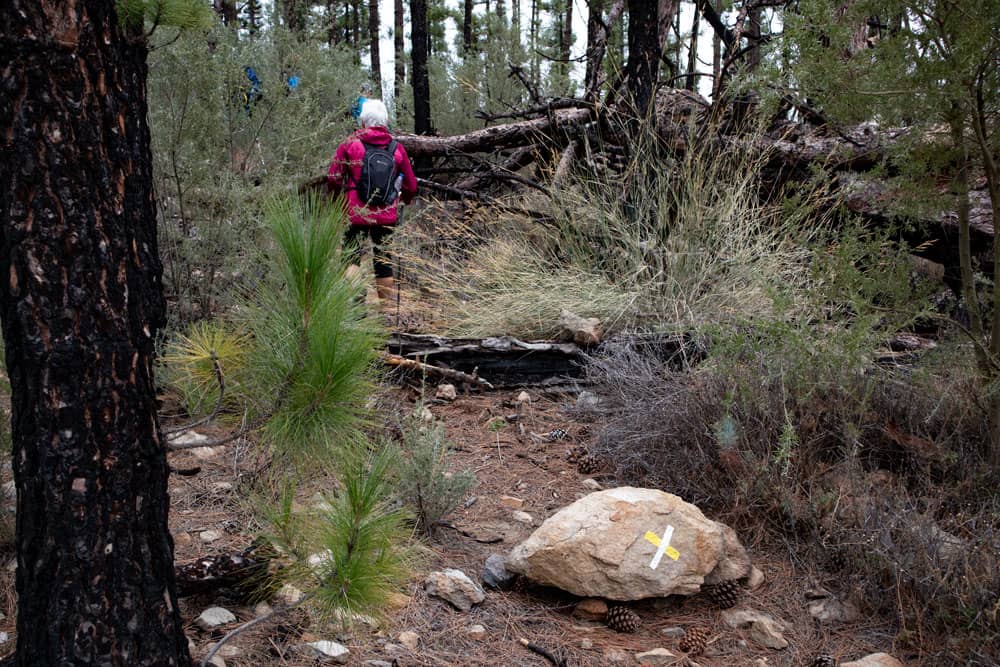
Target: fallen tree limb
414,365
211,573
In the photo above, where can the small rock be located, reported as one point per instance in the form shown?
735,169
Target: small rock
658,656
230,651
764,629
446,392
327,651
409,639
319,559
455,587
616,655
523,397
832,610
511,502
206,453
587,400
584,331
874,660
377,663
4,637
262,609
495,573
183,539
222,487
755,579
394,650
214,617
217,661
586,644
674,632
397,600
10,490
476,632
290,594
591,609
523,517
591,484
208,536
424,414
187,438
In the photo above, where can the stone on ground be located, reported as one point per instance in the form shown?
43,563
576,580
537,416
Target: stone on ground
591,484
476,632
603,545
511,502
764,629
591,609
208,536
446,392
755,579
656,657
616,656
584,331
523,517
874,660
327,651
454,587
523,397
495,573
832,610
214,617
409,639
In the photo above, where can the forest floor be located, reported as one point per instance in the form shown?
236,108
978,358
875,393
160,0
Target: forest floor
509,462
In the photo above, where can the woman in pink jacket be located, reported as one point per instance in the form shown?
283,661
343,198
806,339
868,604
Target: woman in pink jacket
376,221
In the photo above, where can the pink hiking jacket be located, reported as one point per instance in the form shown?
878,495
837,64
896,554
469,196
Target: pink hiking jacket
345,172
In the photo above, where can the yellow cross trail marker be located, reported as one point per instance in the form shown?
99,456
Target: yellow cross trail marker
663,546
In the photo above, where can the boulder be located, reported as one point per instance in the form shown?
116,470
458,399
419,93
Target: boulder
874,660
604,545
764,629
455,587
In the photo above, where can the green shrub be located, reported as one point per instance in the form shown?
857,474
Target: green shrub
425,482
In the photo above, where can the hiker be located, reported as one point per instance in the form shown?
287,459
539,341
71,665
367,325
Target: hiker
366,90
252,93
374,173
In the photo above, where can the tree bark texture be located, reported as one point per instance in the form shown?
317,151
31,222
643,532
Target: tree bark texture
418,58
644,47
374,27
467,43
399,48
82,301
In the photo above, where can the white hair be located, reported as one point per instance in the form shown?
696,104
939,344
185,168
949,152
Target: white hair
373,113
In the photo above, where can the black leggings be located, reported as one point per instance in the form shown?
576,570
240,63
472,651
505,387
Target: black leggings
381,259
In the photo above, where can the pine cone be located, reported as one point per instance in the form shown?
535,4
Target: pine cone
695,640
823,660
588,464
576,453
623,619
724,595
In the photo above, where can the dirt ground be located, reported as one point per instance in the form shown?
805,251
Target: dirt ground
507,462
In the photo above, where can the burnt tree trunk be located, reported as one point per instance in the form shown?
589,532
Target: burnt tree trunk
400,60
467,28
420,78
643,53
374,26
82,302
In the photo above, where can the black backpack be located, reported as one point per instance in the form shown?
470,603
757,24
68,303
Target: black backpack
378,171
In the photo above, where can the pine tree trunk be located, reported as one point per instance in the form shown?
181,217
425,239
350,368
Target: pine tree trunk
467,44
333,29
374,27
753,36
82,302
226,9
400,59
533,41
567,41
596,36
420,77
515,18
716,55
692,69
253,17
291,15
643,52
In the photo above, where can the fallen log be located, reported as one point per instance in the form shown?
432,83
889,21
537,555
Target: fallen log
211,573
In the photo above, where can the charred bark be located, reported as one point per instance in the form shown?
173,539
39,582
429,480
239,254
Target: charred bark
82,302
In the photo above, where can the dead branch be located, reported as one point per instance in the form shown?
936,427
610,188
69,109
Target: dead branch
414,365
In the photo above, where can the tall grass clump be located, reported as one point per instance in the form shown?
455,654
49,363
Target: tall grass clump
670,242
